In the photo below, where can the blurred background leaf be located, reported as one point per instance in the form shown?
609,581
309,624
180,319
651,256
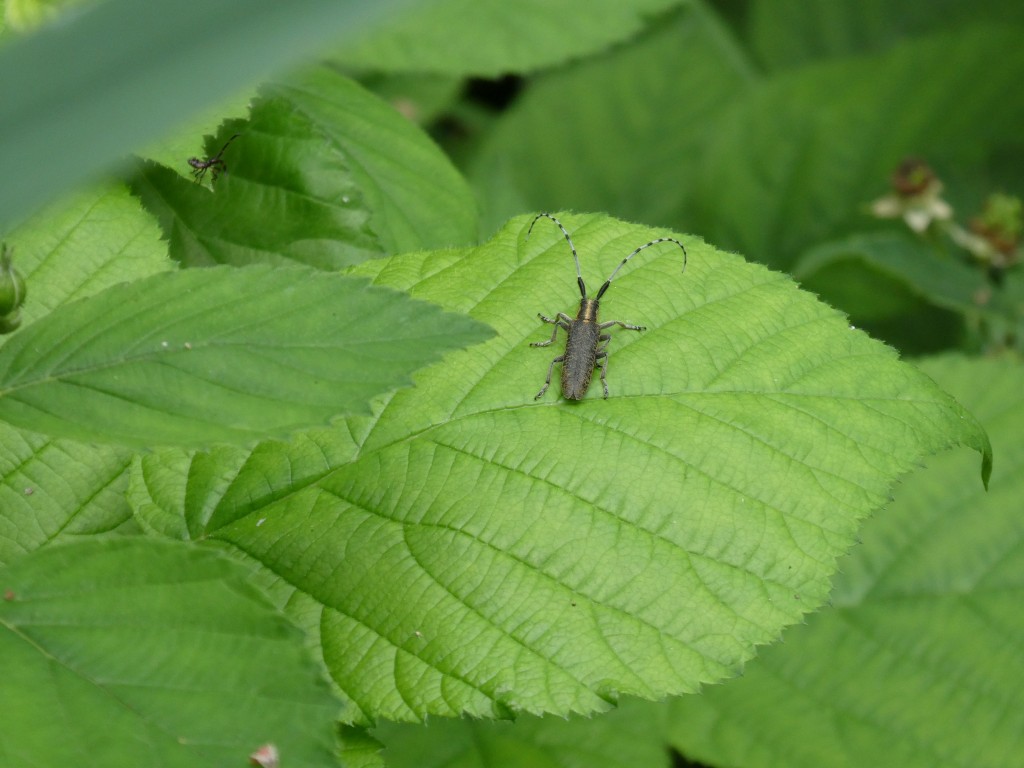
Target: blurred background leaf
626,737
902,289
792,33
679,128
798,160
494,37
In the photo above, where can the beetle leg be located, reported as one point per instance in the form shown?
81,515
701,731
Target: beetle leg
562,321
603,357
627,326
547,381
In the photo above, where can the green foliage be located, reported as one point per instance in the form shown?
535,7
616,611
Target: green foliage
357,489
141,652
947,282
85,245
829,133
685,135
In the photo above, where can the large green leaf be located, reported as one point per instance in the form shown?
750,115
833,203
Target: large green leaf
78,95
621,132
308,180
137,652
917,662
495,37
223,354
469,549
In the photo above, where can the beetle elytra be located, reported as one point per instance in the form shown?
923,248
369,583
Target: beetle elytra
586,344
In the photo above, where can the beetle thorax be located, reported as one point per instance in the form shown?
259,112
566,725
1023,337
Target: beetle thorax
588,310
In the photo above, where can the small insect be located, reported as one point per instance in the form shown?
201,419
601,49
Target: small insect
585,345
200,167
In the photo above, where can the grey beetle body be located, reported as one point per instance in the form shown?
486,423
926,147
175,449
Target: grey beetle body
585,346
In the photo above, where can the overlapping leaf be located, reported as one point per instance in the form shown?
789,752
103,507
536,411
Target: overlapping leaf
286,195
218,354
141,652
893,285
57,489
83,245
416,197
917,662
467,549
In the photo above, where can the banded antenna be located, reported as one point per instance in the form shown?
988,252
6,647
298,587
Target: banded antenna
568,239
576,258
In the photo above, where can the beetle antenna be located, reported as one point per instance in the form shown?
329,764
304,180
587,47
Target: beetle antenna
608,282
575,258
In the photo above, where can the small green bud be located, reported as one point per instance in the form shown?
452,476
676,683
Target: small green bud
10,322
12,292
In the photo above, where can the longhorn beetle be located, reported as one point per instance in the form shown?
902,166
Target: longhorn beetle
200,167
585,344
